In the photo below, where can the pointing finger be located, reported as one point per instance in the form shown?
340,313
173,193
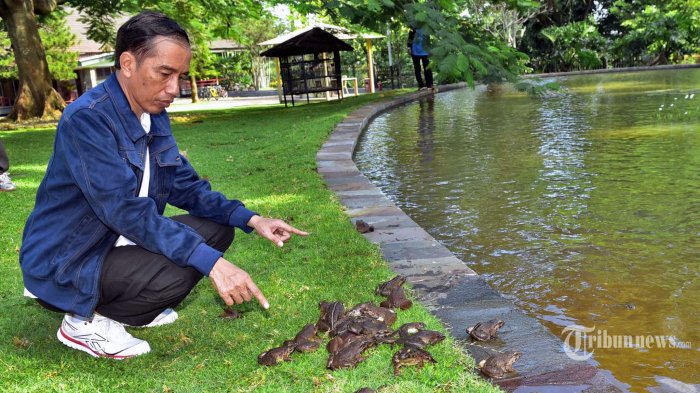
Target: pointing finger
291,229
258,295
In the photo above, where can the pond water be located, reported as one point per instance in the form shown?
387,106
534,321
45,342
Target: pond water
583,208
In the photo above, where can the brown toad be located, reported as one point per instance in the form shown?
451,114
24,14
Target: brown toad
484,331
385,288
422,339
410,328
409,356
497,366
230,313
349,352
370,310
397,299
363,227
277,355
330,314
307,340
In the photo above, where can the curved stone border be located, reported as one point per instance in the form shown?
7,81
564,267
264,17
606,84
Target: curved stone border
441,281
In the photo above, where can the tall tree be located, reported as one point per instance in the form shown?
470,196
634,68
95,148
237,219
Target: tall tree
504,20
553,13
585,34
57,39
577,45
36,97
254,32
667,30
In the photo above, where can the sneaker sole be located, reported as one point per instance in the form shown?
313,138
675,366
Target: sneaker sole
70,342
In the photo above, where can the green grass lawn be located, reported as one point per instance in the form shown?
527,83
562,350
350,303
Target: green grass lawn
266,158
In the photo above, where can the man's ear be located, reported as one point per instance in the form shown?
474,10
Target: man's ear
127,61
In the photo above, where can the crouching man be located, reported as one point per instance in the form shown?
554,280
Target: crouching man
97,246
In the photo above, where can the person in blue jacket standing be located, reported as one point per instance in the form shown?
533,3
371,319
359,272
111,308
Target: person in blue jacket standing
417,45
97,246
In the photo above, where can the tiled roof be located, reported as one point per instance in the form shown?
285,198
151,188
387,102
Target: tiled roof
85,46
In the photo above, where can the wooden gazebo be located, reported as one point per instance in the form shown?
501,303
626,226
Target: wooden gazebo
309,63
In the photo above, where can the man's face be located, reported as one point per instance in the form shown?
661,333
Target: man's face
152,83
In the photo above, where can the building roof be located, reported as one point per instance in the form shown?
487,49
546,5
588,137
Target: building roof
315,40
102,60
87,47
222,45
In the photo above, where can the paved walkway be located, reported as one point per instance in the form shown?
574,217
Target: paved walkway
186,105
441,281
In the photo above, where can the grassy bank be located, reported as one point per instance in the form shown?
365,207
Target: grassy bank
265,157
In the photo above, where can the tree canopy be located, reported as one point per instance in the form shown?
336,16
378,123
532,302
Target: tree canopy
463,50
470,39
568,35
203,19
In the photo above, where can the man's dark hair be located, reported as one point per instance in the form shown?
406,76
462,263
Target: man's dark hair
137,34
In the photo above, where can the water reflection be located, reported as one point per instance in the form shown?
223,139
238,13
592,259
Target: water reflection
583,208
426,126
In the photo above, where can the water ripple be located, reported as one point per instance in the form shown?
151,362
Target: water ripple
584,208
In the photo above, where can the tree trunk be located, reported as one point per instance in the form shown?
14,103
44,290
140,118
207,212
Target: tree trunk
661,59
256,75
195,93
36,98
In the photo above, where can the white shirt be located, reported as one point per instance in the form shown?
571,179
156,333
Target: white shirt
143,191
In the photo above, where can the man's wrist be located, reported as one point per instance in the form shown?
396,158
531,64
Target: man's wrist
253,220
217,267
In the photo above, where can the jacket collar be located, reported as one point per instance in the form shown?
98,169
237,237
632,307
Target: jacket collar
160,123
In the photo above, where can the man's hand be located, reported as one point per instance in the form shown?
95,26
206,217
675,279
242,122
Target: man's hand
234,284
274,230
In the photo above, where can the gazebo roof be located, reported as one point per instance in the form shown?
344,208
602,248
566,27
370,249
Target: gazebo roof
338,31
313,40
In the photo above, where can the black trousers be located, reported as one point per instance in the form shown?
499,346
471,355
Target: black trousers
4,160
428,72
136,285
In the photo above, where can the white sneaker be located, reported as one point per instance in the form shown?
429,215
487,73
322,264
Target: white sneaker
5,183
100,337
167,316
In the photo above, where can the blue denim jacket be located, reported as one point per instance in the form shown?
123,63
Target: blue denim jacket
88,197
